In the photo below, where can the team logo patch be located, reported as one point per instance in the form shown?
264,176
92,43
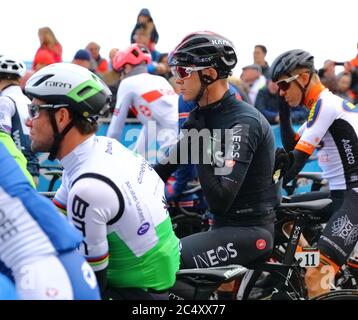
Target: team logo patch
261,244
313,113
349,106
143,228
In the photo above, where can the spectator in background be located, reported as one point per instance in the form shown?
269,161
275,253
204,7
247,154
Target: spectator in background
327,75
268,100
49,43
82,58
99,65
352,67
145,20
42,59
260,52
112,78
253,81
142,36
163,59
237,84
344,80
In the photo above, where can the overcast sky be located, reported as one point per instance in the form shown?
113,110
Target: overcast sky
328,29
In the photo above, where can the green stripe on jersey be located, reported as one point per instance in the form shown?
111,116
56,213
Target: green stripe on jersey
155,269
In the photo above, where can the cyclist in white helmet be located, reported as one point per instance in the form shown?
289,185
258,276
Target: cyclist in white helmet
112,195
150,97
13,109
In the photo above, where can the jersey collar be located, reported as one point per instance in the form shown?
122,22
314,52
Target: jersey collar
313,94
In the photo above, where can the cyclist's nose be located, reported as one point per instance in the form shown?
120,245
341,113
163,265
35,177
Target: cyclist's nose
281,92
28,123
179,81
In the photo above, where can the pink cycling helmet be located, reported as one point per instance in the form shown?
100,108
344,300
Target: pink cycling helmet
135,54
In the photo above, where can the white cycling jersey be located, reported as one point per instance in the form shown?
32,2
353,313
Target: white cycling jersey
332,126
154,102
117,200
12,100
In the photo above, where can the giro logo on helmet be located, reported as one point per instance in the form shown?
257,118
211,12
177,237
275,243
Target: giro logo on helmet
58,84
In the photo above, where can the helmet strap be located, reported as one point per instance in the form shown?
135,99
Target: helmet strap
57,136
205,81
303,88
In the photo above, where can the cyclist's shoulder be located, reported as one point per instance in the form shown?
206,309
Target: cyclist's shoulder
105,157
13,163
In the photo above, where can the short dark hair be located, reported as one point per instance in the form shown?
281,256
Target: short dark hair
262,47
84,125
9,76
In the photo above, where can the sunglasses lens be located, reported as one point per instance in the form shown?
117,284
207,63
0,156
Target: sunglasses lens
34,111
283,85
182,72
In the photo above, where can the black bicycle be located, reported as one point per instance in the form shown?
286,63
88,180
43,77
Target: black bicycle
286,273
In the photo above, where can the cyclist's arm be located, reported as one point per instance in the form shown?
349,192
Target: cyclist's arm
93,206
60,199
313,132
17,155
168,165
120,113
221,190
288,136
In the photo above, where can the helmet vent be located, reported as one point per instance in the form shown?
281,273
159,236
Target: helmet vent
43,79
135,53
84,91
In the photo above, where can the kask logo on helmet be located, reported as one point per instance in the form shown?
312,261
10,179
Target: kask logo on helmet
58,84
220,42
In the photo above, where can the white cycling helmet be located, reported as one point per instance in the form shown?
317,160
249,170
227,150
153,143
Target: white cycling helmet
10,65
72,85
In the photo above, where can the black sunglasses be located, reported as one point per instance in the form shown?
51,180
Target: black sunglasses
285,84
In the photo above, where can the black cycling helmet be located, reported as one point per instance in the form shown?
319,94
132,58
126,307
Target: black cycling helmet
288,61
205,49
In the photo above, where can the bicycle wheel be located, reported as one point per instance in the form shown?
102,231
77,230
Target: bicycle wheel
339,295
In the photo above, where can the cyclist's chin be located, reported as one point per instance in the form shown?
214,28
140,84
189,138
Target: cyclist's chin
187,96
37,146
293,103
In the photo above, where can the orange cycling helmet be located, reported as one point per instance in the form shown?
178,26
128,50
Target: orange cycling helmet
135,54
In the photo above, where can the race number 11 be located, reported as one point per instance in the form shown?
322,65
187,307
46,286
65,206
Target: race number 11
307,257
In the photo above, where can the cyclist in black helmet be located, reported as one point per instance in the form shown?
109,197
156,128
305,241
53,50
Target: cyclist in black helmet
332,128
236,175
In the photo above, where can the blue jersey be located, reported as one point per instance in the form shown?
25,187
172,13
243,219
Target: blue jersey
31,224
7,289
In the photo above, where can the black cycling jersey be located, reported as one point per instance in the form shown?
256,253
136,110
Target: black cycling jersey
246,195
